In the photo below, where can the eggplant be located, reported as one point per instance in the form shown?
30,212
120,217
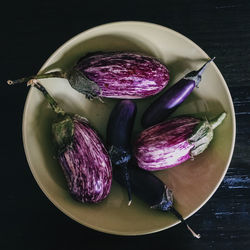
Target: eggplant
122,75
150,189
170,100
174,141
80,152
119,131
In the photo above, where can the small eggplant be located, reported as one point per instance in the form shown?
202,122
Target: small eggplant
151,190
174,141
119,131
170,100
123,75
81,154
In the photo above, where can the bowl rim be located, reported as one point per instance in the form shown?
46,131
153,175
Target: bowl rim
54,201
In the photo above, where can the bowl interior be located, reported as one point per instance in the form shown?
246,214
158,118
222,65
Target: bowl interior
193,182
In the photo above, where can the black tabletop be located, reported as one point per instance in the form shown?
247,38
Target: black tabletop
32,31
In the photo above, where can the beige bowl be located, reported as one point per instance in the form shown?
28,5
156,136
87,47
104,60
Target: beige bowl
193,182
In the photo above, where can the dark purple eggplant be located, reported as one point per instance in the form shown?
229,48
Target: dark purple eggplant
122,75
81,154
119,131
170,100
151,190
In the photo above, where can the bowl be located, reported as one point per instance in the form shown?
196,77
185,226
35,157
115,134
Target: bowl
192,182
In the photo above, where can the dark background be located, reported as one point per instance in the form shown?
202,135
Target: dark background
32,31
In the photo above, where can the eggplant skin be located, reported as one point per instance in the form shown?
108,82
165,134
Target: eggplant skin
166,144
144,184
86,165
120,124
124,75
167,103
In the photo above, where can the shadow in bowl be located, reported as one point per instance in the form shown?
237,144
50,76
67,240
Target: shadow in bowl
43,121
202,108
108,42
181,66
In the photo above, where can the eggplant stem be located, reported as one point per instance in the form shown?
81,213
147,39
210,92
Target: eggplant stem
49,98
100,99
192,232
127,182
57,74
217,120
202,69
197,74
179,216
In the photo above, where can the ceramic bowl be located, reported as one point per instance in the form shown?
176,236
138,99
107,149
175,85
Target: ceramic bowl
193,182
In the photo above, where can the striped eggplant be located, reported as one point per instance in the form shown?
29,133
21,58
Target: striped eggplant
151,190
174,141
81,154
123,75
119,131
170,100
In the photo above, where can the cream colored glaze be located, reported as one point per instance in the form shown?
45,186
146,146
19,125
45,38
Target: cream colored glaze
193,182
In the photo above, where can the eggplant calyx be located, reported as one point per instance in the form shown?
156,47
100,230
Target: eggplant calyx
120,158
118,155
84,85
196,75
166,202
203,134
63,132
63,128
201,138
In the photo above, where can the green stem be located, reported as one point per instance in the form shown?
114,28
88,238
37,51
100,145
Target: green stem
217,120
57,74
49,98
